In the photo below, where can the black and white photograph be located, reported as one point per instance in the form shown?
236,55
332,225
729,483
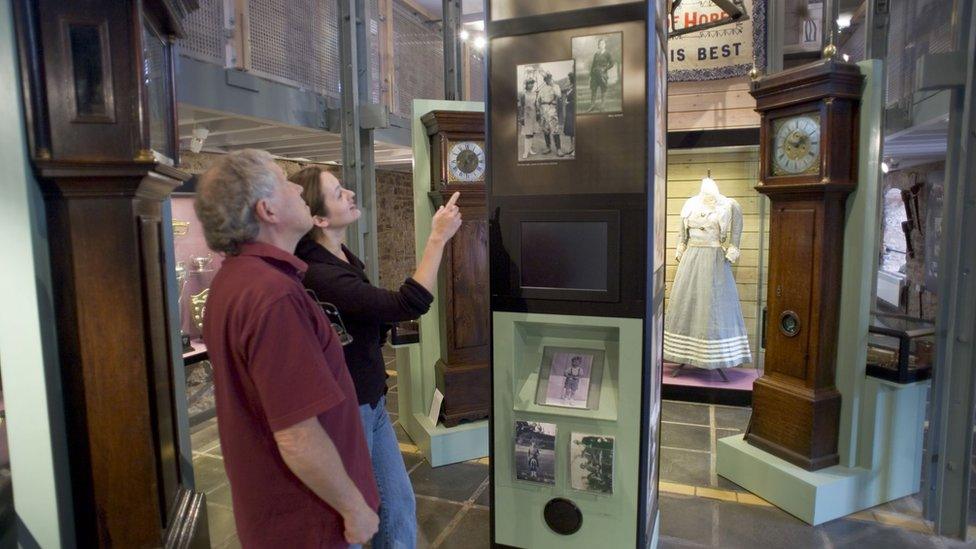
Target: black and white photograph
570,377
599,70
591,463
546,114
535,452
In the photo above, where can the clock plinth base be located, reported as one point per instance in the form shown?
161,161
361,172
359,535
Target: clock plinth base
796,424
467,392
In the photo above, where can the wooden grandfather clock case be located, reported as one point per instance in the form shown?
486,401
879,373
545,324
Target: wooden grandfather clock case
808,152
99,99
457,165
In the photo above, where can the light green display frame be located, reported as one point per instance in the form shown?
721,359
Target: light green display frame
609,520
416,378
881,438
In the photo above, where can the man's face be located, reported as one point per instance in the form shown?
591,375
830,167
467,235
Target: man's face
289,204
548,80
528,86
601,45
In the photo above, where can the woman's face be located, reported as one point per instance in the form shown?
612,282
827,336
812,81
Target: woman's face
340,203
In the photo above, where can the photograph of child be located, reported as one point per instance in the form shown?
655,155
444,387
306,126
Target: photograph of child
569,380
535,451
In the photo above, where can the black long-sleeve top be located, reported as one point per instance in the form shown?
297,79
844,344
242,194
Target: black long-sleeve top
367,311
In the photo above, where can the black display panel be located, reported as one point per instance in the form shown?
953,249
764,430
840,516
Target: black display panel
564,255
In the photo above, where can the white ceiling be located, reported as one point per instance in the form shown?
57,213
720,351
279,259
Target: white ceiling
229,132
467,6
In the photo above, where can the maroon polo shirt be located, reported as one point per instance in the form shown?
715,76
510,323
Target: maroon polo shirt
277,362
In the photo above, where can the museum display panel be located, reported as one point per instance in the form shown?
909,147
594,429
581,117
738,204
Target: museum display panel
576,181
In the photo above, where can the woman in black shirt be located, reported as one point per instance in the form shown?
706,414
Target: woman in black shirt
338,277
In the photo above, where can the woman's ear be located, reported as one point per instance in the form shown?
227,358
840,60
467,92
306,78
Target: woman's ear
320,222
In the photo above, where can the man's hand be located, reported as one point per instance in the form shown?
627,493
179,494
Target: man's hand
360,524
447,220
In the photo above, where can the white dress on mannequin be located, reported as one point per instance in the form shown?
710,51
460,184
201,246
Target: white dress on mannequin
703,326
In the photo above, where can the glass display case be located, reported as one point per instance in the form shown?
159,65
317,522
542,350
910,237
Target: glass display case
900,348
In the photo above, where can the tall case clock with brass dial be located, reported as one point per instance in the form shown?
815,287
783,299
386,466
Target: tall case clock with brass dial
808,166
457,152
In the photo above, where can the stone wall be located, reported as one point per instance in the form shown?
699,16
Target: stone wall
915,249
394,221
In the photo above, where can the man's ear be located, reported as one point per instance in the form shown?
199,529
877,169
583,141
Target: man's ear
264,211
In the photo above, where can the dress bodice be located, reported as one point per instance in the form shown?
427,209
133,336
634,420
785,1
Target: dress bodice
704,226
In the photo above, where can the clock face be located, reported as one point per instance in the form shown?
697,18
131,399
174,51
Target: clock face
796,145
466,162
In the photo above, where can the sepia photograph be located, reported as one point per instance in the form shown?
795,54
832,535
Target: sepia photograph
591,463
546,113
535,452
599,73
566,377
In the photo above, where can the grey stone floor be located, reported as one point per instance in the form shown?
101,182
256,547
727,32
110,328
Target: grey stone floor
452,501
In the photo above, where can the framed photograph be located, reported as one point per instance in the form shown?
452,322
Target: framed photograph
591,463
546,111
535,452
599,71
570,378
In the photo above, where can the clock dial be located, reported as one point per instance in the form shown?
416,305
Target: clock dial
796,145
466,162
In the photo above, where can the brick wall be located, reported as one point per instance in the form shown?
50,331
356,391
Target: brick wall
394,223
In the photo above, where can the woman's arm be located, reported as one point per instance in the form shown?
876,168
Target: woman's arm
445,224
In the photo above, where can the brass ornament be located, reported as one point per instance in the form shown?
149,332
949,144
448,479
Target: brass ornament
830,51
198,307
754,73
181,228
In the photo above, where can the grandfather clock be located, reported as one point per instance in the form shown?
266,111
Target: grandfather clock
808,164
457,145
100,105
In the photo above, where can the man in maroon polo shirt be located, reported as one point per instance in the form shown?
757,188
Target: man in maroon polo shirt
290,431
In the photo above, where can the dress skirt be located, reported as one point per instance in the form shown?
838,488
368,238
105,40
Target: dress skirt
703,325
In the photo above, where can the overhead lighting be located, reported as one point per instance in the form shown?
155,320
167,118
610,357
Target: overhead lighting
464,34
845,57
844,21
480,42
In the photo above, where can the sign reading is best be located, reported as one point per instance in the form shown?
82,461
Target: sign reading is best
724,51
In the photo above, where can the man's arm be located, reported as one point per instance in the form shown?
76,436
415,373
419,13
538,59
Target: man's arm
309,452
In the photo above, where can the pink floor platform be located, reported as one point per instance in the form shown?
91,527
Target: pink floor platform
740,379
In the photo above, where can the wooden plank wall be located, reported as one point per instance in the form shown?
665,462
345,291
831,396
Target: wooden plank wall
736,173
711,105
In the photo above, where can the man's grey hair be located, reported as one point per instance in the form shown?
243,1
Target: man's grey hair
227,194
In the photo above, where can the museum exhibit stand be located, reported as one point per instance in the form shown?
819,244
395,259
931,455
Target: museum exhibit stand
452,347
576,143
98,92
699,369
826,439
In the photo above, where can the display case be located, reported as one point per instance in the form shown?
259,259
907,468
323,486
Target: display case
576,197
900,348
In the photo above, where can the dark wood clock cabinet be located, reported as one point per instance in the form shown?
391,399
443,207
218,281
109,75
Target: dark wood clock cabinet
808,166
100,108
462,370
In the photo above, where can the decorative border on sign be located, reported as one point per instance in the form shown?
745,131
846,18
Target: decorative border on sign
731,71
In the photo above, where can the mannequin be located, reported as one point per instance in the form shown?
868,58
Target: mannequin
703,326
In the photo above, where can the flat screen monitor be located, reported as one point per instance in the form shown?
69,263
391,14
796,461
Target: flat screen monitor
566,254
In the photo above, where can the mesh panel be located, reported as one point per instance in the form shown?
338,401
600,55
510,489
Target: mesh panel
373,16
476,75
205,32
419,60
296,41
918,27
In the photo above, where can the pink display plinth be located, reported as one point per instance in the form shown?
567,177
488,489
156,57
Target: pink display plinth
740,379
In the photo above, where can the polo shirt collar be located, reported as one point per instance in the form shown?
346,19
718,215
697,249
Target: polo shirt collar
276,254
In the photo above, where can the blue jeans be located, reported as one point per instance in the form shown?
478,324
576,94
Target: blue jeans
398,508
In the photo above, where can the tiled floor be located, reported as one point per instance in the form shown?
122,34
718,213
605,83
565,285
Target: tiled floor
698,508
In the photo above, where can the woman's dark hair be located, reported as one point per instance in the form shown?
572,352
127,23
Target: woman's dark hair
310,179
